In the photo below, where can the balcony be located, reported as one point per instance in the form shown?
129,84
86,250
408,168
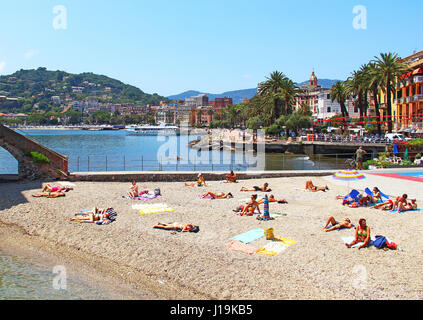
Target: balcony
418,97
408,99
418,79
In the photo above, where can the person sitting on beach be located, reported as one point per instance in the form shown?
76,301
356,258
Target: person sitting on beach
362,234
272,199
337,225
133,192
388,205
376,195
407,206
49,188
231,177
251,206
95,215
55,194
400,200
177,227
200,182
310,186
220,195
264,188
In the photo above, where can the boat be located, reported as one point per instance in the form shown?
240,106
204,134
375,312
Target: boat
162,129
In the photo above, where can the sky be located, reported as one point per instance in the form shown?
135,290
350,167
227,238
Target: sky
168,46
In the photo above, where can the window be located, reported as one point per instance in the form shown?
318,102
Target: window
329,109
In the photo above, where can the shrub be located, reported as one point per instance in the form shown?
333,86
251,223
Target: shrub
38,157
418,156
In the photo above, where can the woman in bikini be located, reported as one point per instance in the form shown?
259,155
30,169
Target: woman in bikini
387,206
50,188
93,216
55,194
362,234
176,226
310,186
264,188
219,195
200,181
376,195
337,225
408,206
272,199
251,207
400,200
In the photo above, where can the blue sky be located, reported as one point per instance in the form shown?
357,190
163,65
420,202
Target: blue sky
169,46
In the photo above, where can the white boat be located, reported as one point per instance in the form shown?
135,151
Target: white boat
161,130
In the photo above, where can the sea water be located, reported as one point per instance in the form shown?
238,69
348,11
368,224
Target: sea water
21,279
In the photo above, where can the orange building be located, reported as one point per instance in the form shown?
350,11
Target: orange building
408,111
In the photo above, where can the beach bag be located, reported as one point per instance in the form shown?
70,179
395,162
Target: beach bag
391,245
157,192
379,242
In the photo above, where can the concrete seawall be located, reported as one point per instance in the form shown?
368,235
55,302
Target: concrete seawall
180,176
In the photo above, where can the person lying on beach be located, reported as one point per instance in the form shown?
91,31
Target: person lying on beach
388,205
362,234
408,206
219,195
49,188
231,177
272,199
251,206
310,186
337,225
177,227
200,182
95,215
264,188
55,194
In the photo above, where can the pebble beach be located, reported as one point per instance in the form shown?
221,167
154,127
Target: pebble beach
137,261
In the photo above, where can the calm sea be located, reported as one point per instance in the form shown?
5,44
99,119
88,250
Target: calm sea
21,279
118,151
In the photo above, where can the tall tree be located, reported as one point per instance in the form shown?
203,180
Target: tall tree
273,87
340,93
389,67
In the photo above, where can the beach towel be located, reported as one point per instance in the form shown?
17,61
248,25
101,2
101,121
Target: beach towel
236,245
205,197
351,239
370,193
396,211
250,236
154,208
144,197
342,228
276,246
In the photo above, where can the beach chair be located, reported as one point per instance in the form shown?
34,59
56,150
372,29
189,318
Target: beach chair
354,194
370,193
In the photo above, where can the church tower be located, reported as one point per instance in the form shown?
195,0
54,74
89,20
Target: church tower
313,80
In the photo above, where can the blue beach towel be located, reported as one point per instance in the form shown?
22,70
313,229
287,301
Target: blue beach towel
370,193
250,236
396,211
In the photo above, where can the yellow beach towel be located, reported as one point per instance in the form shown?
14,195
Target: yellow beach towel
155,209
277,246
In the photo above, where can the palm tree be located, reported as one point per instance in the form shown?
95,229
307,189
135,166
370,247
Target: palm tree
199,115
273,87
289,92
340,92
210,113
374,82
389,67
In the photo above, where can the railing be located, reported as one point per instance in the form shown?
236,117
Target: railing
418,97
275,161
418,79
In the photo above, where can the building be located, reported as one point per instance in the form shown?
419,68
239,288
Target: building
197,101
309,95
408,104
55,99
327,109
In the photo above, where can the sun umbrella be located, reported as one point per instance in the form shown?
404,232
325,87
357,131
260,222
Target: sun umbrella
348,175
395,148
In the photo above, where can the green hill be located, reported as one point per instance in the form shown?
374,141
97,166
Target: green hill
38,86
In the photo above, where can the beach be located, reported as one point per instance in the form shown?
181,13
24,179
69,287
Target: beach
135,261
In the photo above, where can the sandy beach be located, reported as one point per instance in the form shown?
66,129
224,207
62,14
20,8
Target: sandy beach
138,262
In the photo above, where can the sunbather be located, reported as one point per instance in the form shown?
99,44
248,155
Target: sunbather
177,227
388,205
310,186
362,234
251,207
337,225
95,215
219,195
376,195
55,194
272,199
200,181
400,200
231,177
49,188
264,188
133,192
408,206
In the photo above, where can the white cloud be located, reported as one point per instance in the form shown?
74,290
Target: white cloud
30,53
2,65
